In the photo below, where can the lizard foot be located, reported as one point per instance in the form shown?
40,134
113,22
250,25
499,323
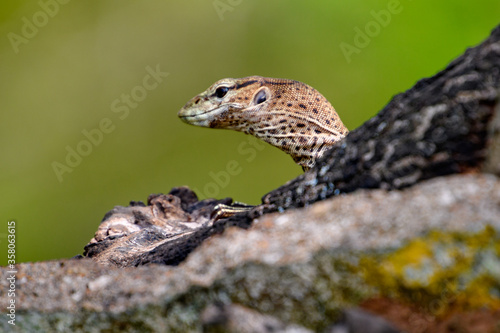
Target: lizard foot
222,211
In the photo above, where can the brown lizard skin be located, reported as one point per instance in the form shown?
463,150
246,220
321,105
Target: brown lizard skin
288,114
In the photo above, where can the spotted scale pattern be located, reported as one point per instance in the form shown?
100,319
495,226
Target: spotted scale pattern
287,114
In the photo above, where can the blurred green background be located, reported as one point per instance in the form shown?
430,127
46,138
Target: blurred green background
61,78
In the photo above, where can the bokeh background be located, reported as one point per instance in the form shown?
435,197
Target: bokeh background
62,77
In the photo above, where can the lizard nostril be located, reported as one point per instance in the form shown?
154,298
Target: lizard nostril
197,100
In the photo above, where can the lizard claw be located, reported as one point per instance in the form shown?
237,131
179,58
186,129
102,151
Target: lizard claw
222,211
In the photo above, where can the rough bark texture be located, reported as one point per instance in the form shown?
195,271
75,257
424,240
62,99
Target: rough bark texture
426,258
164,231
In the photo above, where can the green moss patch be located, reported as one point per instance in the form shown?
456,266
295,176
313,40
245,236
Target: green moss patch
440,270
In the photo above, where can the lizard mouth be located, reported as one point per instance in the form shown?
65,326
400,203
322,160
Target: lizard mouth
201,117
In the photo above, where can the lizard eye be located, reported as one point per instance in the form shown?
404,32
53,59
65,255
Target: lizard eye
260,97
221,92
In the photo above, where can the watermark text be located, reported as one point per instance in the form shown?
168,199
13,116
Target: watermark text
223,6
31,26
95,136
222,178
372,29
11,273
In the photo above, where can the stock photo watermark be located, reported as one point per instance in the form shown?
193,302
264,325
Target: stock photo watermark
11,272
420,322
222,178
32,25
363,36
121,107
223,6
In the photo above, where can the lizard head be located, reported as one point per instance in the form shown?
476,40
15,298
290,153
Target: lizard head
228,103
288,114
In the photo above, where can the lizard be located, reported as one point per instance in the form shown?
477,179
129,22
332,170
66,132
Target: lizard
287,114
